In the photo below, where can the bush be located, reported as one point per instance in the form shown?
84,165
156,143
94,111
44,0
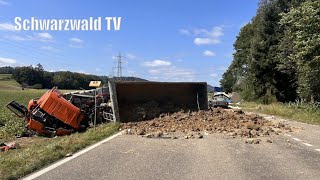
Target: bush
37,86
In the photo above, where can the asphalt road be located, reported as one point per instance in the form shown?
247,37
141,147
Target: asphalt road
215,156
306,133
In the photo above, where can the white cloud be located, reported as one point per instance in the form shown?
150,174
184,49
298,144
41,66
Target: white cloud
205,41
7,62
172,73
76,42
76,45
163,70
44,36
49,48
185,31
204,36
6,26
209,53
4,2
215,32
131,56
57,69
18,38
154,71
157,63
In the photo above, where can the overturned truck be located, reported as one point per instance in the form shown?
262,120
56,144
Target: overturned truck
137,101
59,114
55,113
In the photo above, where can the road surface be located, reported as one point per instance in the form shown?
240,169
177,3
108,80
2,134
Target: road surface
217,156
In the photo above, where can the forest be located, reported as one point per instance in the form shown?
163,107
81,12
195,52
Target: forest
37,78
277,54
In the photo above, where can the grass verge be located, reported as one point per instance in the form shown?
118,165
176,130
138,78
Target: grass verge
43,151
306,113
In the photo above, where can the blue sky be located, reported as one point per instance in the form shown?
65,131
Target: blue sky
162,40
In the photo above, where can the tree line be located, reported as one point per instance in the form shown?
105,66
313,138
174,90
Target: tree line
36,77
277,54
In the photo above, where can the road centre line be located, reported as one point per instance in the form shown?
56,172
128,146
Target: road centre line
297,139
307,144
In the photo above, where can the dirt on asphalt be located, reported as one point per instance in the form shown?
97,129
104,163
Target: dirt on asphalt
189,125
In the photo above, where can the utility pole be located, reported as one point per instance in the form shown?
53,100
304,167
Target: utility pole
119,58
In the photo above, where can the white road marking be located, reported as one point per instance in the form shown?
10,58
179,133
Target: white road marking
296,139
59,163
307,144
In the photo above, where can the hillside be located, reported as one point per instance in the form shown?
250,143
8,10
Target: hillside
8,83
38,78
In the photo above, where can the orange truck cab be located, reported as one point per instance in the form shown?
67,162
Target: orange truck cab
55,105
51,114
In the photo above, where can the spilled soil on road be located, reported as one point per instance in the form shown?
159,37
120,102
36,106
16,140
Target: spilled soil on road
189,125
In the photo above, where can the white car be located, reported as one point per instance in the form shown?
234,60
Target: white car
219,102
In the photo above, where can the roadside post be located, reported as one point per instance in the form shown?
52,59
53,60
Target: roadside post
95,84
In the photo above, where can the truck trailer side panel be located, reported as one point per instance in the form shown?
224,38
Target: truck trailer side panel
146,100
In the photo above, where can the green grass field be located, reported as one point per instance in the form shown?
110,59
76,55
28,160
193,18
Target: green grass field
10,124
7,83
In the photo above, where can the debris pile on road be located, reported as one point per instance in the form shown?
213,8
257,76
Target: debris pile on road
188,125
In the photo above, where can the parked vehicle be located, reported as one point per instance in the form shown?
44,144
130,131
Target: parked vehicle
220,102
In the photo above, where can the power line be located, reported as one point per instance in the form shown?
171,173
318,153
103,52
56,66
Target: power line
28,35
25,50
34,48
34,52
